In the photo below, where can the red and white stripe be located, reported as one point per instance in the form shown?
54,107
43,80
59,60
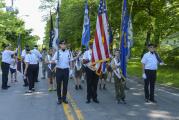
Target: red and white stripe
100,50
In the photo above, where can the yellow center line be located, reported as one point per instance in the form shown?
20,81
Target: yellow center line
75,108
68,112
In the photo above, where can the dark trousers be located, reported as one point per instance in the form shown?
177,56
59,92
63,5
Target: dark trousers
150,81
92,84
62,75
31,75
5,71
37,73
25,78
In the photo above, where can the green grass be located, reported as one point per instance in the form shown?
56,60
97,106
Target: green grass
165,75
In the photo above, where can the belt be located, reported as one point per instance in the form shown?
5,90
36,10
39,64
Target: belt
6,63
62,68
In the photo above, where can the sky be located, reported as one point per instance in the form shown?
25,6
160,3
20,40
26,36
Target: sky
29,12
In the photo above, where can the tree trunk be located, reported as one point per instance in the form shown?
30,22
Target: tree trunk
146,43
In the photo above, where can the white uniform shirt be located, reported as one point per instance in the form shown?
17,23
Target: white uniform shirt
87,56
150,61
6,56
37,54
64,59
13,64
31,59
23,54
78,64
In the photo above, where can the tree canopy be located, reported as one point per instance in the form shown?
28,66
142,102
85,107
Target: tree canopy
10,28
153,20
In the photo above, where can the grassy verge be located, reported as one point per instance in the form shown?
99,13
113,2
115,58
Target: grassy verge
165,75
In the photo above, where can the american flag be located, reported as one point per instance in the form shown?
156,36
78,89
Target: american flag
100,50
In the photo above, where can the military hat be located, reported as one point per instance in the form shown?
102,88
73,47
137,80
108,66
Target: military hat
62,42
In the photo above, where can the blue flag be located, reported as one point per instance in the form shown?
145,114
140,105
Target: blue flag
130,37
124,39
86,27
104,67
51,31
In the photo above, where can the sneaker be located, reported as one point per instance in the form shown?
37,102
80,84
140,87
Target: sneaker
54,89
30,91
50,89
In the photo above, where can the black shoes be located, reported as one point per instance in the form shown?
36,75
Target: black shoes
88,101
25,85
5,88
123,101
153,101
96,101
78,87
146,100
150,100
60,101
65,101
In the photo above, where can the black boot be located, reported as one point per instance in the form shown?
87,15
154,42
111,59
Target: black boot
80,87
76,87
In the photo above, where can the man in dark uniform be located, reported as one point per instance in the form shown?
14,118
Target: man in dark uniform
92,77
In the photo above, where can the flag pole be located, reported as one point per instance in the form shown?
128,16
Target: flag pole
120,38
131,8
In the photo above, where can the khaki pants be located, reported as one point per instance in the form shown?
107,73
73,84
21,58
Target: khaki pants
119,88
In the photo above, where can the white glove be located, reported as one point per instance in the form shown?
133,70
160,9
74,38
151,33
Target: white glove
162,63
144,76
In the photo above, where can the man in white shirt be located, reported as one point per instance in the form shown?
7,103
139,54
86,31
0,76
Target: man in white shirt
62,58
31,62
39,57
5,65
149,67
23,65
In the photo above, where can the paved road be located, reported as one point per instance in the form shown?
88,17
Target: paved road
15,104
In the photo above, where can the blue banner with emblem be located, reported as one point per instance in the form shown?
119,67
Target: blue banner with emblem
124,39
